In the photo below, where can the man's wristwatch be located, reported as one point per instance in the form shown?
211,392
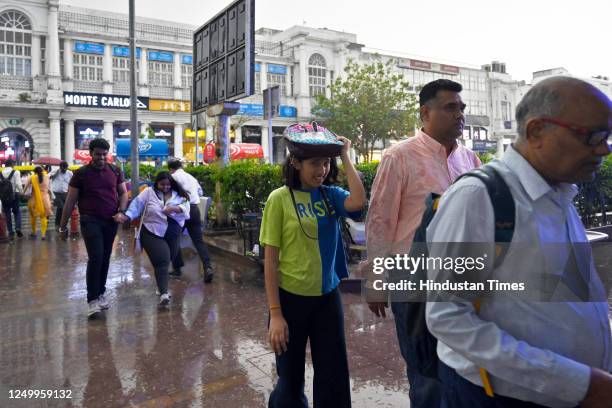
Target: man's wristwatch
61,230
121,211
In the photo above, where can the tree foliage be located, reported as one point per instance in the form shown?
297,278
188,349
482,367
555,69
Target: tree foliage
370,104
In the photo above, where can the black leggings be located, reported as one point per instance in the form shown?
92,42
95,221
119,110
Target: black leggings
161,251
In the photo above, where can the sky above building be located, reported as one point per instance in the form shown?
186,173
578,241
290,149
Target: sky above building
528,35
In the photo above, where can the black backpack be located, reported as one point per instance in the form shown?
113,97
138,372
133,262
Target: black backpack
7,192
424,354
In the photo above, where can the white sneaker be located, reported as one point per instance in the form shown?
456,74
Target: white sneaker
164,299
103,302
93,309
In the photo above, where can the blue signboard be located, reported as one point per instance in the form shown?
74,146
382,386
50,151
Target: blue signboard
146,148
121,51
288,111
89,48
186,59
277,69
163,56
257,67
255,109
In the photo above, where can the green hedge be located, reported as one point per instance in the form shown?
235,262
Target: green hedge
145,171
207,176
246,184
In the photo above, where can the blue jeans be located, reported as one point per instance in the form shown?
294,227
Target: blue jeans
14,209
320,319
460,393
425,388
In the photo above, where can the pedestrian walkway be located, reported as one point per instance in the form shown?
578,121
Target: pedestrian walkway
208,350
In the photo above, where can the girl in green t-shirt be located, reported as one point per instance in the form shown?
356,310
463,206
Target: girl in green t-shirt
304,261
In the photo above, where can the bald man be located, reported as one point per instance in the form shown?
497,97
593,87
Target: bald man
554,353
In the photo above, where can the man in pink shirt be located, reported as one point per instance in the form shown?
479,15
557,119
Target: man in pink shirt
408,172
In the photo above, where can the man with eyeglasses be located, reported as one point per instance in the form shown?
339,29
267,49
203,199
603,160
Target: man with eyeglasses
408,172
552,347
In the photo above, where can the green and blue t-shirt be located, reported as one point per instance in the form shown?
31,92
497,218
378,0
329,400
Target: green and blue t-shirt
307,266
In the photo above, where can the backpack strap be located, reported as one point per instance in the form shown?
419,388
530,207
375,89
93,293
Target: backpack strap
503,208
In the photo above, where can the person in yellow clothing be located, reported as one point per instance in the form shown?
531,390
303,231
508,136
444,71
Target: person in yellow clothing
39,203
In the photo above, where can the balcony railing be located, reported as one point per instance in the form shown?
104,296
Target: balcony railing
16,82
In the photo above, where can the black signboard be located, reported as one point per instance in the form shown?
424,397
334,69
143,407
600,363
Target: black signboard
224,56
105,101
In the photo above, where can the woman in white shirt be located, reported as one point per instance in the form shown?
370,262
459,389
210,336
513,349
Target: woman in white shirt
164,208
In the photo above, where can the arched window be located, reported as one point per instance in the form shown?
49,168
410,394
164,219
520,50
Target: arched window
316,74
15,44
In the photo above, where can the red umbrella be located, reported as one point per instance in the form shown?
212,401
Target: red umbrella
51,161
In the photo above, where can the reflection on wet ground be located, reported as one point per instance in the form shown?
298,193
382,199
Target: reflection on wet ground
208,350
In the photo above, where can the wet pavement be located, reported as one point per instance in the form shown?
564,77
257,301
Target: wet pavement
208,350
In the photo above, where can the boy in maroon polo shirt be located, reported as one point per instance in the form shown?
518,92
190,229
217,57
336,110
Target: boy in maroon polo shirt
100,191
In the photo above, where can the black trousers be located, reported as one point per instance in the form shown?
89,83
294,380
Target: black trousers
194,228
161,250
99,235
60,199
11,209
320,319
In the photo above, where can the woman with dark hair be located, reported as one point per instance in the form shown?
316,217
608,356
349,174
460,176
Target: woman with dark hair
39,203
304,262
164,209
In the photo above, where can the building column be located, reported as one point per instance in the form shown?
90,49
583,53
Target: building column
500,147
238,135
143,77
178,92
108,134
209,134
69,141
264,143
107,70
55,143
264,76
68,74
35,55
52,51
143,129
327,82
178,140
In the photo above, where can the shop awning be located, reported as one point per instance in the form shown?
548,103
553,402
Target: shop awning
146,148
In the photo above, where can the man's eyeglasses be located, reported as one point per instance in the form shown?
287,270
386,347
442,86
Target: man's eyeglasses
593,137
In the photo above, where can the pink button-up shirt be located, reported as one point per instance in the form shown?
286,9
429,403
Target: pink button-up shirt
408,172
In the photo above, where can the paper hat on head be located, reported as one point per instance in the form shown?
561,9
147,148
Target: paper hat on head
307,140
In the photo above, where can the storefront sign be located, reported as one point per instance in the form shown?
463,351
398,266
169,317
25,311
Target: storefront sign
191,133
449,68
483,145
15,122
237,151
83,156
91,100
162,131
162,56
277,69
420,64
186,59
168,105
89,48
121,51
254,109
146,148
